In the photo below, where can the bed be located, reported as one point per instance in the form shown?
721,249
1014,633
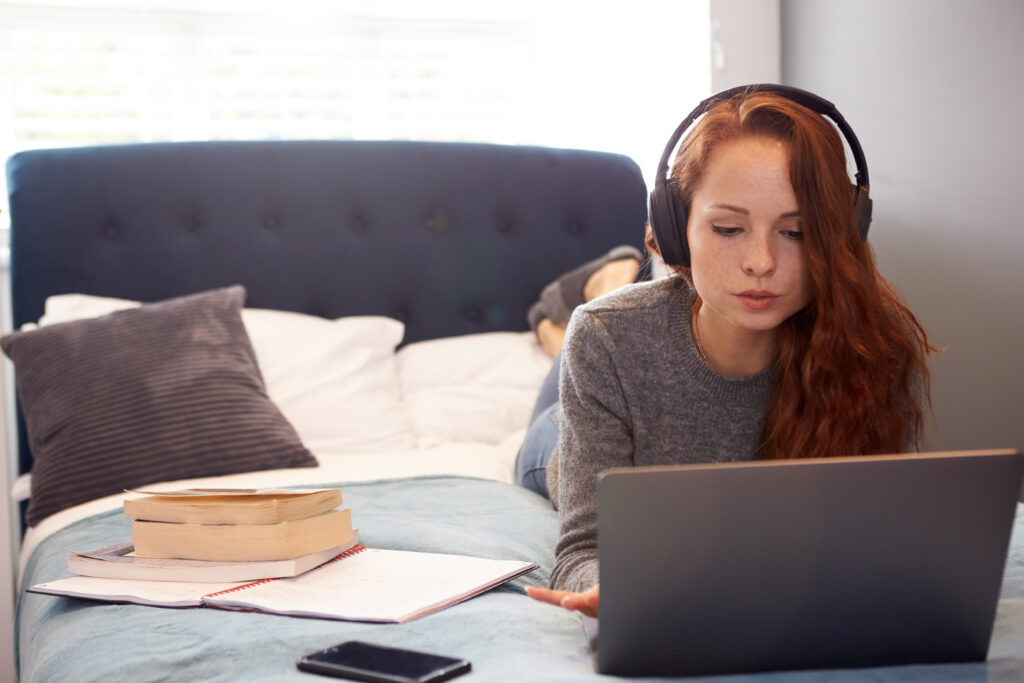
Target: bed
385,287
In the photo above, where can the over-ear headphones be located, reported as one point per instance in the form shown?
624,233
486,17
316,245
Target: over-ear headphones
668,213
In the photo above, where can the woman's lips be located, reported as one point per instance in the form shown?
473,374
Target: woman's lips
757,299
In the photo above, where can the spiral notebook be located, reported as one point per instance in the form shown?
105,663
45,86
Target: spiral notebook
360,584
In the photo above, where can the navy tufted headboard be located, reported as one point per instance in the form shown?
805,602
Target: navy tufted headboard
449,238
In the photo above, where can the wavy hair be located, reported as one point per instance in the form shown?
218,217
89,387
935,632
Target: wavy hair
851,376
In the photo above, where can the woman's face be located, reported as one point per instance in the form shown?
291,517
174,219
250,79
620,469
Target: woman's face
746,249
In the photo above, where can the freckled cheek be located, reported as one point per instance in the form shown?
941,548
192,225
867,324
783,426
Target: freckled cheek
710,255
703,252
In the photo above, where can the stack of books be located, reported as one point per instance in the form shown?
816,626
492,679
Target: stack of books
215,535
285,552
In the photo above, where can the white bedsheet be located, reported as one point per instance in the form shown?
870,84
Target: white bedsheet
485,461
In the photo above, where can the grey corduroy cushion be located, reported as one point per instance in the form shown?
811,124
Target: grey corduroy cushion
165,391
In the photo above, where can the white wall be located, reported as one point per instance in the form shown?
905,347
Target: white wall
934,92
745,45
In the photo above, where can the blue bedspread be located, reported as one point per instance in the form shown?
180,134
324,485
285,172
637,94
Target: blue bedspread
505,635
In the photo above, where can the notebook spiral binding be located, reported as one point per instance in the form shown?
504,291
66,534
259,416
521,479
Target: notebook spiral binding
354,550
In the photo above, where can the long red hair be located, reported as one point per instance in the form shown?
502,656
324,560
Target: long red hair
850,373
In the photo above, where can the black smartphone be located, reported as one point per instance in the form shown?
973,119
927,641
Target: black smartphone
359,661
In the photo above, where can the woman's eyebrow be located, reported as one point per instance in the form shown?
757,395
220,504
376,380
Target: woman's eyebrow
741,210
730,207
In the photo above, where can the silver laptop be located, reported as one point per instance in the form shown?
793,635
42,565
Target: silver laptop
803,564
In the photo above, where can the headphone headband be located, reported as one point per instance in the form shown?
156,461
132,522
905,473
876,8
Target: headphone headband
668,214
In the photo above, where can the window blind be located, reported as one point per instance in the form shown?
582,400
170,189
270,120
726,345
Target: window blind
561,73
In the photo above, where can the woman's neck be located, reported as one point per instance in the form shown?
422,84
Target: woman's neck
730,351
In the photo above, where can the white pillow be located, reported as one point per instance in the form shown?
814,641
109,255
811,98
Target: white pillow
335,380
477,387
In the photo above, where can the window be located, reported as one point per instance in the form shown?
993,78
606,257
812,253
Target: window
560,73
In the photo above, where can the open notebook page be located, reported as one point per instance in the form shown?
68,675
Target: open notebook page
376,585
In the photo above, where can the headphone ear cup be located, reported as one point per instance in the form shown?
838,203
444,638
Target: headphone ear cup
862,209
668,223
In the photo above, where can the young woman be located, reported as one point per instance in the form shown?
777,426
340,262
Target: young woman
777,339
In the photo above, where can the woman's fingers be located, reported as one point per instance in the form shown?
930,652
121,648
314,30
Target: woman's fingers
547,595
585,602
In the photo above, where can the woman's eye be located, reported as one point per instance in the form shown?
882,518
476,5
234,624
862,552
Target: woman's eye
796,235
725,230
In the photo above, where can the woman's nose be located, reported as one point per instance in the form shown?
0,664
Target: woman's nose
759,259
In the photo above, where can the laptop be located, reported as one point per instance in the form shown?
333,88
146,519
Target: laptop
802,564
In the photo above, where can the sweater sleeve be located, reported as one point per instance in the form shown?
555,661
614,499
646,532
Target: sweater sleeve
596,434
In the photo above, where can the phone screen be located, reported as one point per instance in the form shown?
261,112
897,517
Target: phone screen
367,662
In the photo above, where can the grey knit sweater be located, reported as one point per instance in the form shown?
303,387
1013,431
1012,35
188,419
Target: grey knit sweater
635,391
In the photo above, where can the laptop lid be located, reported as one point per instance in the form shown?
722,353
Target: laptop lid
798,564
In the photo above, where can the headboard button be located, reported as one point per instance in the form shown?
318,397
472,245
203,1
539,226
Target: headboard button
574,228
192,224
111,231
437,221
474,314
271,221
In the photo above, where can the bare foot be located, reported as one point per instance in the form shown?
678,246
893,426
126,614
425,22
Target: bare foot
610,277
607,278
550,335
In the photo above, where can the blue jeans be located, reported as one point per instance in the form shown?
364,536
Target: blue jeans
541,437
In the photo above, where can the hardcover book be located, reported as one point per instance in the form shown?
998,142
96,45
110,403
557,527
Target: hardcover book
119,561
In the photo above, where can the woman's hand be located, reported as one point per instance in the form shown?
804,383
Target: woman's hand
585,602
